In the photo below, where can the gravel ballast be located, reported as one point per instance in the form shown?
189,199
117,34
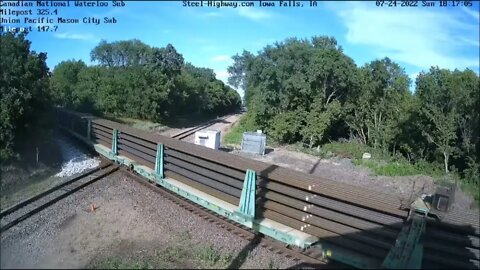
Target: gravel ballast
75,161
131,222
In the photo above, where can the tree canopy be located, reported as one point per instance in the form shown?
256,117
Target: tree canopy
135,80
310,91
24,92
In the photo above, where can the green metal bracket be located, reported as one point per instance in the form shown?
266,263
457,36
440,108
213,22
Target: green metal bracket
407,253
159,161
246,208
89,129
114,142
280,234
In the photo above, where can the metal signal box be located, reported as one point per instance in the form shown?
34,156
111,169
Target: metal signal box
443,197
254,142
208,138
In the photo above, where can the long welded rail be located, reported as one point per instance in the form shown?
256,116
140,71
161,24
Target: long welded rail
340,191
68,187
346,216
308,258
45,193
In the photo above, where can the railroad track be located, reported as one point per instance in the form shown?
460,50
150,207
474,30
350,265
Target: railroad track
184,134
354,222
307,258
25,209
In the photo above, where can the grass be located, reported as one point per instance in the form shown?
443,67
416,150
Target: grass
139,124
183,254
381,163
234,136
208,255
387,165
119,263
171,255
35,185
471,189
398,168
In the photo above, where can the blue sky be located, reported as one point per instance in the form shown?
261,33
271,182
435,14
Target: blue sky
414,37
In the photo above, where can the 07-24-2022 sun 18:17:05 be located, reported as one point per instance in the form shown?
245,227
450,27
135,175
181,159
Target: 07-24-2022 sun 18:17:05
381,3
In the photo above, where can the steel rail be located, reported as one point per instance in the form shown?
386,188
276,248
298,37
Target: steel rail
338,229
137,140
361,250
45,193
309,258
340,191
102,130
136,152
339,213
101,136
304,226
433,234
237,183
184,134
107,130
104,172
204,180
138,147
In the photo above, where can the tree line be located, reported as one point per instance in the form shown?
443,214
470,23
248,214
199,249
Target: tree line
309,91
135,80
130,79
24,93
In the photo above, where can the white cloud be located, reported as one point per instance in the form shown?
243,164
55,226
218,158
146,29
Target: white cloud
473,13
222,75
419,37
254,14
220,58
86,37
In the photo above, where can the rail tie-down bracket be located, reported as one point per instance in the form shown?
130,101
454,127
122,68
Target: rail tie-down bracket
246,207
115,141
159,161
407,253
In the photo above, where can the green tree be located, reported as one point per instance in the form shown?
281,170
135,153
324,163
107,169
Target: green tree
139,81
311,78
448,101
380,104
24,91
125,53
65,80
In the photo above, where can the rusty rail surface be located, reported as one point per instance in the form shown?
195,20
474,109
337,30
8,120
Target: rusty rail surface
355,219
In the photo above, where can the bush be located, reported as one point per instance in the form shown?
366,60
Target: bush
351,150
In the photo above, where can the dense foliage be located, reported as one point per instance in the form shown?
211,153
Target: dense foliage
24,91
131,79
297,91
139,81
309,91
